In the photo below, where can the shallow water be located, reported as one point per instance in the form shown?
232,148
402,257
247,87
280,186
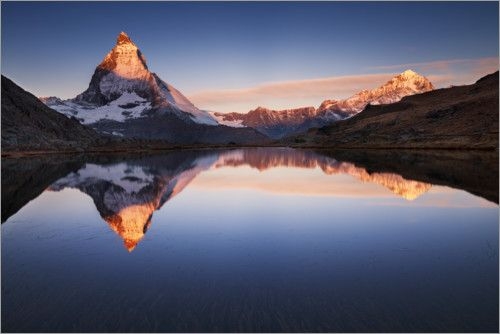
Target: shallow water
269,239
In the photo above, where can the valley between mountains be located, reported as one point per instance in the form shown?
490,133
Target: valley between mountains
128,107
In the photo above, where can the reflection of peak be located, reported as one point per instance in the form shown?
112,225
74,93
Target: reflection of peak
131,223
126,196
407,189
263,159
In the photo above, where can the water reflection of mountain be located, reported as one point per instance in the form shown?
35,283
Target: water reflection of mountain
127,194
473,171
24,179
265,158
127,190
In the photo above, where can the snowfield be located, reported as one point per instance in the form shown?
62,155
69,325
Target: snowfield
127,106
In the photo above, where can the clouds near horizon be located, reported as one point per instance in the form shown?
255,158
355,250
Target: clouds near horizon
311,92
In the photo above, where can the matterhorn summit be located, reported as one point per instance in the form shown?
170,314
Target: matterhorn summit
123,69
123,88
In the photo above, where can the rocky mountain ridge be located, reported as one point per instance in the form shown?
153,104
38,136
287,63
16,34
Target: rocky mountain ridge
280,123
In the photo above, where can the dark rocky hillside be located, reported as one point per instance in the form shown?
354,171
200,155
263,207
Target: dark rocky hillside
29,125
457,118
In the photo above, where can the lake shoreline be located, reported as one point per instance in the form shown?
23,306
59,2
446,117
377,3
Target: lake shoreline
159,149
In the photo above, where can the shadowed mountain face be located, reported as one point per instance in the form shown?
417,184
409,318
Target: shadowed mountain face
128,190
29,125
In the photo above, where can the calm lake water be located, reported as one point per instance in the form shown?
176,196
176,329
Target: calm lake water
263,239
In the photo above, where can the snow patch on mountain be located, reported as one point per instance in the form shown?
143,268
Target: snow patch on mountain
127,106
179,101
238,123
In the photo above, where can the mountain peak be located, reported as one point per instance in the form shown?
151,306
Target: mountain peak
123,39
124,80
410,73
125,60
406,83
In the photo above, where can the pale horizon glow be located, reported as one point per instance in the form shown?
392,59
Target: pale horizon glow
312,92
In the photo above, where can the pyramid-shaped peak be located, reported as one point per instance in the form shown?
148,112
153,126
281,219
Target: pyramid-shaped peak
123,39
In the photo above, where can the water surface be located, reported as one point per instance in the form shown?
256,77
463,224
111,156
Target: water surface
263,239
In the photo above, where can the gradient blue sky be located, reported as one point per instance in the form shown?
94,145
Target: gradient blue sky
233,56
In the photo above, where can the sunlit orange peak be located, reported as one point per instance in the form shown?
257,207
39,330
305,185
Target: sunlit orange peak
131,223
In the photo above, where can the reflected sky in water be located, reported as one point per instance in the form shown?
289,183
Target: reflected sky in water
249,240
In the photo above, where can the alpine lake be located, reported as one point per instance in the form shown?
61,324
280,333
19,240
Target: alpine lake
251,240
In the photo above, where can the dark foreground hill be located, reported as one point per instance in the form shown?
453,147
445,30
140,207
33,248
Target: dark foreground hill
29,125
462,117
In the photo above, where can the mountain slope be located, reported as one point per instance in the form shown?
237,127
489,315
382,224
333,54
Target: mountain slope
28,124
124,98
272,123
282,123
457,117
405,84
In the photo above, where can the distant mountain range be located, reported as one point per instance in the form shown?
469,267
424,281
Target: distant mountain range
125,99
455,118
280,123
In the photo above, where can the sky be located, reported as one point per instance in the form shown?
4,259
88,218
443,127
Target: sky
235,56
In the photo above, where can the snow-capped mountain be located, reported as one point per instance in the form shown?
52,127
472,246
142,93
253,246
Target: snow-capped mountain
404,84
122,88
281,123
125,98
